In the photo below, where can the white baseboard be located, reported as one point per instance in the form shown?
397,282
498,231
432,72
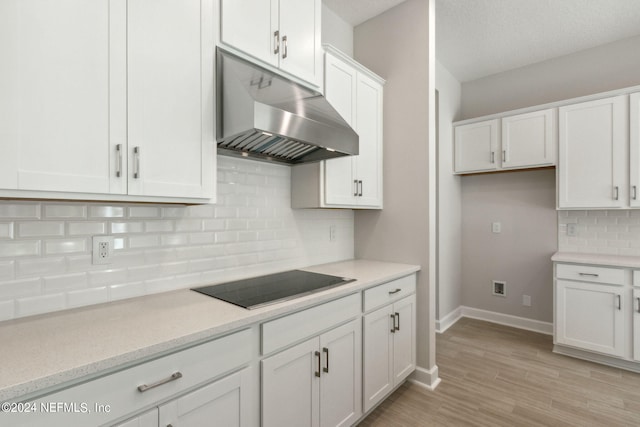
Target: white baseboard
491,316
449,320
427,378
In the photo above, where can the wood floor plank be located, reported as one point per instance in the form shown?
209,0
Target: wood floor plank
493,375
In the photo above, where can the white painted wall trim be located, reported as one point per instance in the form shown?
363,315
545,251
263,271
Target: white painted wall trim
597,358
449,320
426,378
493,317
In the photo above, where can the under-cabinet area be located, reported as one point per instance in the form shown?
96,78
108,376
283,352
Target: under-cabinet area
325,359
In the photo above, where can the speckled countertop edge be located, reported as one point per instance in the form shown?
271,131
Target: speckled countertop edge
597,259
52,351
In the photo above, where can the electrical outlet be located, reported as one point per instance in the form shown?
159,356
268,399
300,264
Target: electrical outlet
102,249
332,233
499,288
572,229
496,227
526,300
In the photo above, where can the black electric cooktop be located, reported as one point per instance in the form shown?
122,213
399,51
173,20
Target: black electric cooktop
260,291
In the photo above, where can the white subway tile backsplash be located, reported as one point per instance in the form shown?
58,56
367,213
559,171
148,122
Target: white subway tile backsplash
251,231
41,229
19,248
40,304
65,211
65,246
613,232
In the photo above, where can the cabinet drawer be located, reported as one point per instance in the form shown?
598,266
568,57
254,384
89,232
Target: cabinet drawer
120,391
389,292
589,273
295,327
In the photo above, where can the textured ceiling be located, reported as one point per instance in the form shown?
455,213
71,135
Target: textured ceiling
355,12
476,38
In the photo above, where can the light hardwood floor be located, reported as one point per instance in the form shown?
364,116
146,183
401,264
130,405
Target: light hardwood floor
493,375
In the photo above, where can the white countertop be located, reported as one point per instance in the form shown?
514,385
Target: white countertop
41,352
597,259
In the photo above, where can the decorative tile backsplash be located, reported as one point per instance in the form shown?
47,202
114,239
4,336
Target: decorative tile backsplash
45,247
613,232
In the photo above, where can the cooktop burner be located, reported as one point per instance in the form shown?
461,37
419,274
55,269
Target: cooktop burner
264,290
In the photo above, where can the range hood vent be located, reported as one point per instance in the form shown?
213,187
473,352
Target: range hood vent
265,116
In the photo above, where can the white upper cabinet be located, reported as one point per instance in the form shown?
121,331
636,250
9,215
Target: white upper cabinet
516,142
107,100
528,140
476,146
351,181
170,99
282,33
63,103
634,150
592,155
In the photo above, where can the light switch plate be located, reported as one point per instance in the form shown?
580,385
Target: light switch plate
496,227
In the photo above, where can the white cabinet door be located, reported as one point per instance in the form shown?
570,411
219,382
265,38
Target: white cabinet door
148,419
476,146
63,102
170,102
636,324
251,26
340,91
404,338
590,316
592,154
377,356
369,128
223,403
528,140
341,376
634,150
300,52
291,386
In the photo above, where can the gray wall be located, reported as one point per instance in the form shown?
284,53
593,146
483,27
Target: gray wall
395,45
336,31
449,281
611,66
524,202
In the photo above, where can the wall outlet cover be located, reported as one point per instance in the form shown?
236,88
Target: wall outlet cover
102,252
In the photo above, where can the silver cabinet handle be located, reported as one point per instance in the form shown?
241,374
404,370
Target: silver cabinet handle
285,50
619,302
276,42
397,316
144,387
638,301
355,187
393,323
493,157
325,350
615,192
136,162
589,274
634,192
395,291
318,371
504,155
360,192
119,162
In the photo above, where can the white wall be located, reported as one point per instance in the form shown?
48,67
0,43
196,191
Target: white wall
336,31
607,67
524,203
397,45
449,281
45,260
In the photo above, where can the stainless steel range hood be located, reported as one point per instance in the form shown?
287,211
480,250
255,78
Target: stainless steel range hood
264,116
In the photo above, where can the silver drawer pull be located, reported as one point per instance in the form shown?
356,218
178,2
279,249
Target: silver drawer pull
119,162
136,163
397,316
393,323
638,300
395,292
619,302
144,387
589,274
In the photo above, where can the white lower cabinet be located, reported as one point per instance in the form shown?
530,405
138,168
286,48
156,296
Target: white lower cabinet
315,383
636,324
222,403
590,316
389,353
